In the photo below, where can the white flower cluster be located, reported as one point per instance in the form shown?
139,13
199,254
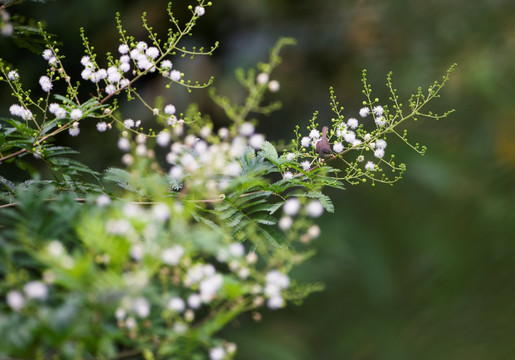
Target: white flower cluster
347,135
292,207
198,158
6,27
32,290
275,283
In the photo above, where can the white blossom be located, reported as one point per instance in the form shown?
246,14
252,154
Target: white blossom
35,290
13,75
102,126
172,256
76,114
338,147
370,166
176,304
15,300
217,353
314,208
291,206
363,112
141,307
305,141
175,75
274,86
194,301
306,165
200,10
262,78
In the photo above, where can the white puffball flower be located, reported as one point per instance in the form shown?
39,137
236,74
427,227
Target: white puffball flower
124,66
306,165
275,302
176,304
378,110
102,126
124,144
349,136
381,144
176,172
291,206
166,65
130,323
83,60
13,75
256,141
7,29
172,256
275,277
123,49
233,169
47,54
141,46
288,175
103,200
141,307
291,156
305,142
15,300
251,258
285,223
363,112
379,153
141,150
120,314
352,123
200,10
152,52
128,123
110,89
74,129
314,134
314,231
76,114
274,86
223,133
163,138
210,286
237,249
175,75
380,121
58,111
246,129
370,166
243,273
217,353
127,159
337,147
136,251
314,208
161,211
35,290
194,301
262,78
45,83
170,109
55,248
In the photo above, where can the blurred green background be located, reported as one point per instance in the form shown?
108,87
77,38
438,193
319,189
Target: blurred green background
421,270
